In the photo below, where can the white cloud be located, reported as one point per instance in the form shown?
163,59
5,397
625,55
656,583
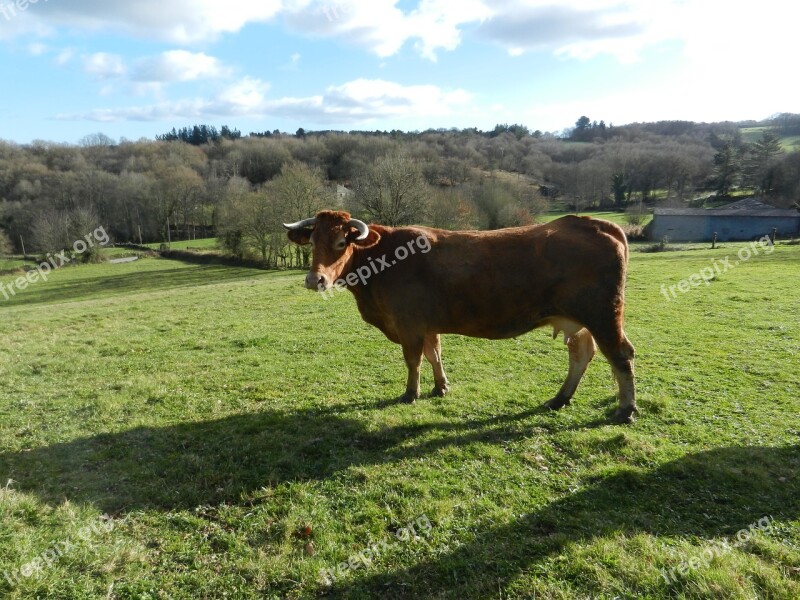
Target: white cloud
375,98
358,101
178,65
575,28
103,65
37,49
383,28
65,56
437,24
179,21
244,97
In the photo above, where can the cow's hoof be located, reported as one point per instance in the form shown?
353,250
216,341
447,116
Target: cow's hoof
625,414
408,398
557,403
440,392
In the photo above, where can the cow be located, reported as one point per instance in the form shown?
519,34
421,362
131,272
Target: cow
568,274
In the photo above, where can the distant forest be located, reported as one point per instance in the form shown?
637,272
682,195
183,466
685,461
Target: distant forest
200,181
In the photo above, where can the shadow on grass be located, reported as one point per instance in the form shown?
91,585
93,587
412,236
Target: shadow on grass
101,285
706,494
190,464
710,494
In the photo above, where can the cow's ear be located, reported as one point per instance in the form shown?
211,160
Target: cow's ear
372,238
300,236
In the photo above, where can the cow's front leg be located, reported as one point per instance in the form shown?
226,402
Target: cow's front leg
433,352
412,352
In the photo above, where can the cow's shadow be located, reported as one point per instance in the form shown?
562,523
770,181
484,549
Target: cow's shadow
192,464
706,494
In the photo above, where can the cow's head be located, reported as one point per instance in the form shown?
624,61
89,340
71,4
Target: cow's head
333,236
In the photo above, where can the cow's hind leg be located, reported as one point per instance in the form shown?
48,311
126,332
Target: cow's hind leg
433,352
412,352
581,346
619,352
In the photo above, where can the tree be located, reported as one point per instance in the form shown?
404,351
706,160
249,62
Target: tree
762,162
174,197
6,247
727,167
618,188
248,219
51,231
787,180
449,210
299,193
96,139
392,191
583,129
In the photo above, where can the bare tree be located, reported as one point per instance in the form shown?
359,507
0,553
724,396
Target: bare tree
450,210
51,231
301,190
298,192
392,191
251,216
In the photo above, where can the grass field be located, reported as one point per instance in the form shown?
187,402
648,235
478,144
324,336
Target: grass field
240,434
790,143
8,263
204,244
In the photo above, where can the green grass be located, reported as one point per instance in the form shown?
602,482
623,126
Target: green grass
7,263
790,143
204,245
241,433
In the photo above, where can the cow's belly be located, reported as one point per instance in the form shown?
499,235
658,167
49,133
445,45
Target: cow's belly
498,318
492,328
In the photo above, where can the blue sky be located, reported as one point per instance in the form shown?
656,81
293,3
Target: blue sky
75,67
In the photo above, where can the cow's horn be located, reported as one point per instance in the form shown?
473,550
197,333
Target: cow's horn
363,228
301,224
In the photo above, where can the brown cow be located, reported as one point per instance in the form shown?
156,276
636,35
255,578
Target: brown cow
415,283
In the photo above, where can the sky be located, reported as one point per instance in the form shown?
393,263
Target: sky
70,68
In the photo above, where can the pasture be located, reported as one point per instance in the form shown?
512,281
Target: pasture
11,263
790,143
203,244
239,433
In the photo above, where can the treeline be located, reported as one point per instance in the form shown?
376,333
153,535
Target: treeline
200,181
200,135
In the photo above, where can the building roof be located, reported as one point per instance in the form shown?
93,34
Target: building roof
749,207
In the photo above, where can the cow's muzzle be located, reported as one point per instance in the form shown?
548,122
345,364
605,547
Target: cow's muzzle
315,281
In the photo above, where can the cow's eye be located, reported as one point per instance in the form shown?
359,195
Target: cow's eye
341,244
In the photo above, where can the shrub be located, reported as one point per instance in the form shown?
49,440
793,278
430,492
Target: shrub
6,247
635,215
634,232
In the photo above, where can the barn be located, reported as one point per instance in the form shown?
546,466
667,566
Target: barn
743,220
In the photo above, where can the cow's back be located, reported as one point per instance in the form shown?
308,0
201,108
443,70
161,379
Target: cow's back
504,283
